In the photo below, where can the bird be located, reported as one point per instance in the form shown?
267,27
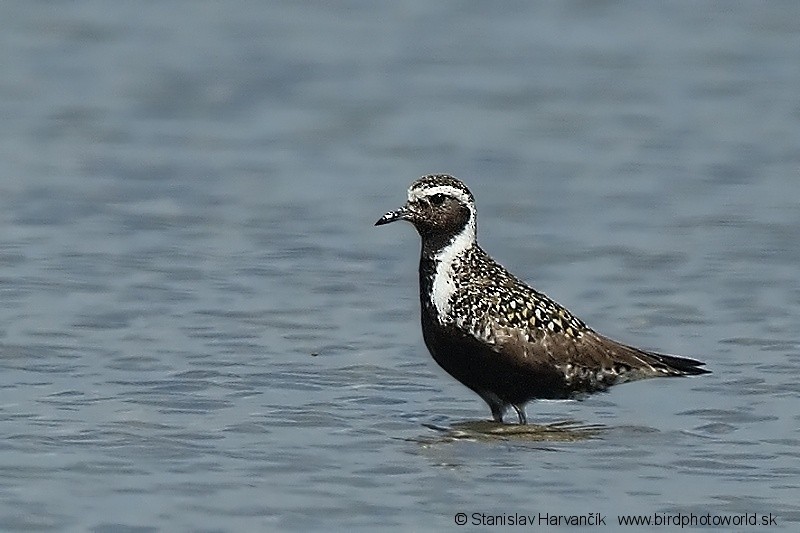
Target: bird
501,338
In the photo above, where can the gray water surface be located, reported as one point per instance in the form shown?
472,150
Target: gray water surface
201,330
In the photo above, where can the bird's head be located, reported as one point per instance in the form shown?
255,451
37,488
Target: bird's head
439,206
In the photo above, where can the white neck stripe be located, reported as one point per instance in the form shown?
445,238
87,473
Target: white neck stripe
444,285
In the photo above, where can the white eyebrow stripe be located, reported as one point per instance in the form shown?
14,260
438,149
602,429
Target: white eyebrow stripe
416,194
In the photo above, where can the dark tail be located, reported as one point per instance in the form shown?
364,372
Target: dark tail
684,365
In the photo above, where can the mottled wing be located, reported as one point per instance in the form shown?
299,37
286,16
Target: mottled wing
528,329
588,361
583,363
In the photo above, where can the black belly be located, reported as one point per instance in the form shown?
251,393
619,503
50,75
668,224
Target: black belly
482,369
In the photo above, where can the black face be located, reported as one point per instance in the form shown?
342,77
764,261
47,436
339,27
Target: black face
439,206
438,213
433,211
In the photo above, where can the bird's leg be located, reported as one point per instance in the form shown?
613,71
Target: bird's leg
497,413
495,404
520,414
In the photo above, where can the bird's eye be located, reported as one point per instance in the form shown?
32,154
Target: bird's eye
437,199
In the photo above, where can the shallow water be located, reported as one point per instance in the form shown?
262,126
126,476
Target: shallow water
200,330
